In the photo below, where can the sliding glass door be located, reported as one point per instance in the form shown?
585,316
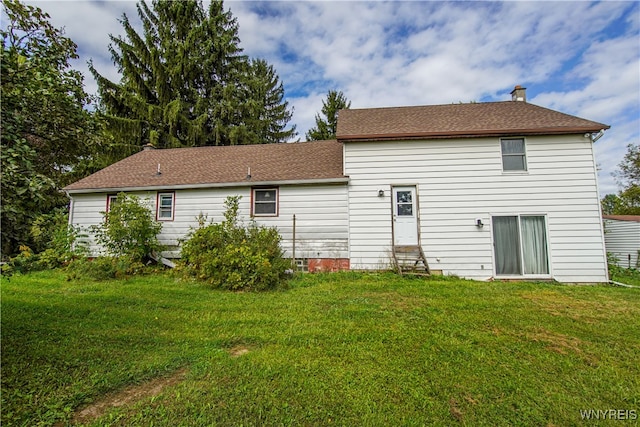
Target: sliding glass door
520,244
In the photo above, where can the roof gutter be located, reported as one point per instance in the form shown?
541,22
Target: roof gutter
597,136
474,134
343,180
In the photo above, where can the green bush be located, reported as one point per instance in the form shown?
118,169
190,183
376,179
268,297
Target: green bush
229,255
56,244
57,241
104,268
129,229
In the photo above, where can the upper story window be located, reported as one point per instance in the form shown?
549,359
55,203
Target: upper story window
513,154
265,202
165,205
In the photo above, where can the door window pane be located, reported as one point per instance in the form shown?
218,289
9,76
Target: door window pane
404,203
507,245
534,245
404,196
405,210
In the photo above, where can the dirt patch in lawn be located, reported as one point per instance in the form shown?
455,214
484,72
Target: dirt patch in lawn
558,343
126,396
238,351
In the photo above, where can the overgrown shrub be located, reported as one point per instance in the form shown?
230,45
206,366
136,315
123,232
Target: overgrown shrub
129,229
104,268
56,244
230,255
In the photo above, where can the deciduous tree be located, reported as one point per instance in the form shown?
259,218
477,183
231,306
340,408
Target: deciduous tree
627,201
44,126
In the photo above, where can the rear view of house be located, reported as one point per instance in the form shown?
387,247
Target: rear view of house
504,190
487,190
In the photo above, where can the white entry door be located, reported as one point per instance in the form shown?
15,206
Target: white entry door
405,216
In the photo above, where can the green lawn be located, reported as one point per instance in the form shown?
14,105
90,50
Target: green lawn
339,349
626,276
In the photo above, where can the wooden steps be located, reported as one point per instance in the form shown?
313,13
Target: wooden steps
411,260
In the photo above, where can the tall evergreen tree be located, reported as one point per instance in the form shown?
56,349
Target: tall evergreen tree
327,126
268,113
184,80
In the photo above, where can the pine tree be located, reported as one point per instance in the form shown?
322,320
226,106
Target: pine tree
326,127
268,114
184,80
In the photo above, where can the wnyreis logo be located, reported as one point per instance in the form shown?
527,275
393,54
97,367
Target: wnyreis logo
609,414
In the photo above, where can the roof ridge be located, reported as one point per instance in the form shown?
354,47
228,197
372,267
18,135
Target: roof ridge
434,105
271,144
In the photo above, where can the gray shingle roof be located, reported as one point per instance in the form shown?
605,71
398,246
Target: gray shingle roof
458,120
185,167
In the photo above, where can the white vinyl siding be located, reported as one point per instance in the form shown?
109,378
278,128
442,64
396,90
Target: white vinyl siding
461,180
321,216
622,239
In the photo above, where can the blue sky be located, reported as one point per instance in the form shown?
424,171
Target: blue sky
581,58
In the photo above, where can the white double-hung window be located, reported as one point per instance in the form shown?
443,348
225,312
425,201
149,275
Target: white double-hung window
165,206
513,154
265,202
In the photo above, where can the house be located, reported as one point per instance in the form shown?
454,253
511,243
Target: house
483,190
622,239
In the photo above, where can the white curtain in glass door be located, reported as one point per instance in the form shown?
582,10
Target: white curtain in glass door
507,245
534,245
520,244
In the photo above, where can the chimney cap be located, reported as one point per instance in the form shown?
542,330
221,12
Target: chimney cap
149,146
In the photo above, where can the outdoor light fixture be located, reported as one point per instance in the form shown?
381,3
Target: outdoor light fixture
380,193
479,223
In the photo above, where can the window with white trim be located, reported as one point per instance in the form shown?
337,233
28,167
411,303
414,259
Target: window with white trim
165,204
265,202
513,154
520,245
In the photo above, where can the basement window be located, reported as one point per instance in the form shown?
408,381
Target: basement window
265,202
513,155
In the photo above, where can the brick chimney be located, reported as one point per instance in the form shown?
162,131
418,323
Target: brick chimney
147,147
519,93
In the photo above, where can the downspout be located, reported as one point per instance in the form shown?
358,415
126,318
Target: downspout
593,138
624,285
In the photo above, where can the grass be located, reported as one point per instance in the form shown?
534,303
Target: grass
628,276
343,349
